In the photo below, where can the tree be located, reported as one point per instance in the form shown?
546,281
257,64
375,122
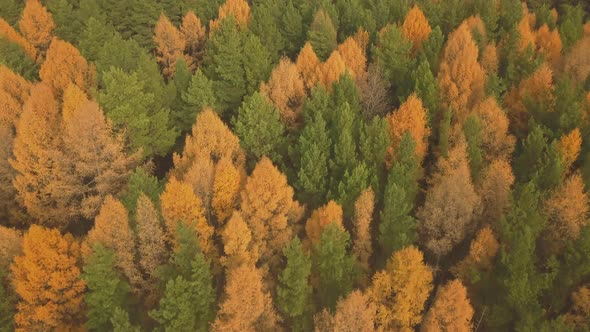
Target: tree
64,65
247,305
451,309
266,20
14,90
140,182
354,57
307,64
427,91
331,70
239,9
451,203
198,96
112,230
461,77
257,63
268,208
580,310
374,92
401,290
333,267
36,25
363,216
237,243
549,44
322,34
106,290
226,187
179,204
129,104
410,117
194,36
97,163
321,218
10,247
571,22
7,32
293,290
569,145
576,63
355,313
286,90
47,281
496,141
472,133
494,189
170,45
189,295
416,28
151,245
480,259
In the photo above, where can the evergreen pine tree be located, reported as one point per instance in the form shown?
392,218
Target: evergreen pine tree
198,96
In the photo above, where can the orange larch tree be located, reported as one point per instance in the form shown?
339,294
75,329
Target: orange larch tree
577,62
526,35
36,25
73,99
14,91
286,90
570,145
321,218
401,290
307,63
461,77
416,28
355,313
64,65
113,231
194,35
489,59
238,8
226,187
482,251
237,243
331,70
354,57
549,44
363,216
8,32
268,207
11,245
47,282
248,305
170,45
410,117
451,310
201,177
496,141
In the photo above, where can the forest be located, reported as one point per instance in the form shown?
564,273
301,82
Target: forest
295,165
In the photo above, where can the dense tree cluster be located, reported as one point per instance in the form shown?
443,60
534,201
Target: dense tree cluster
294,165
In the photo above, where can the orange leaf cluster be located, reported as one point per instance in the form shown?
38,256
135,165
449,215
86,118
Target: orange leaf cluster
36,25
286,90
321,218
410,117
416,27
238,8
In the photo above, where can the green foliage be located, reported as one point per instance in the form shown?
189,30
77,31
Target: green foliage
352,16
7,304
15,58
333,266
426,87
571,23
106,289
293,290
10,10
198,96
472,131
322,36
66,27
510,15
344,138
568,101
443,133
292,28
257,63
259,127
121,323
266,23
129,105
374,142
353,182
140,182
93,37
432,48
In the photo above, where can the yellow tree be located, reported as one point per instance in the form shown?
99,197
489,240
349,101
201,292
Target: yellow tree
410,117
307,63
73,99
461,77
401,290
451,310
482,251
11,245
14,91
64,65
247,305
226,187
237,243
8,32
416,28
320,219
489,59
331,70
237,8
170,45
549,44
363,216
361,37
47,282
268,208
36,25
286,90
355,313
112,230
354,57
201,177
570,145
194,35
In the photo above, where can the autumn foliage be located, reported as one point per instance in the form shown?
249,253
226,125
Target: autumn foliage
416,27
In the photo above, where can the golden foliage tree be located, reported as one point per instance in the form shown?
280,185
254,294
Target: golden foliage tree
286,90
308,63
73,99
451,310
570,145
363,215
489,59
567,209
355,313
247,305
461,77
8,32
549,44
482,251
14,91
180,204
237,243
11,245
321,218
451,202
361,37
526,35
112,230
354,57
47,282
331,70
201,177
194,35
494,188
170,45
401,290
226,187
36,25
416,27
496,140
580,311
268,208
10,212
410,117
237,8
64,65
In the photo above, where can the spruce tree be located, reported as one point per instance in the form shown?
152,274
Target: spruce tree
374,143
472,131
140,182
426,87
198,96
322,35
432,48
291,28
266,23
257,63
